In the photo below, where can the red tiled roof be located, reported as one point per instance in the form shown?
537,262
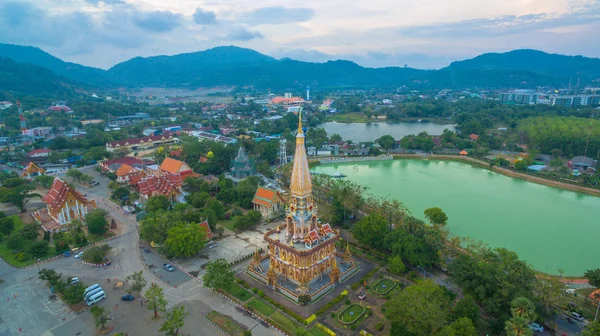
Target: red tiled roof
163,184
128,160
57,196
204,225
176,153
266,196
311,237
474,137
327,228
172,166
38,151
135,141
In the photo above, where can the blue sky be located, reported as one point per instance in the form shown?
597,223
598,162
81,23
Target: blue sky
421,34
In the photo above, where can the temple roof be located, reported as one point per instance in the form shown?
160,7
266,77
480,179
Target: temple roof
173,166
165,184
301,184
265,196
241,156
204,225
32,168
58,194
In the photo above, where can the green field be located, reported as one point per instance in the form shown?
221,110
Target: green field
261,307
318,332
384,286
7,253
351,313
348,118
238,292
284,322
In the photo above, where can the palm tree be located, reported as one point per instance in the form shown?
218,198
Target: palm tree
100,316
524,308
517,326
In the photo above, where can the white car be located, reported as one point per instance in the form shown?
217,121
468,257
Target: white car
570,290
73,281
577,316
79,255
536,327
168,267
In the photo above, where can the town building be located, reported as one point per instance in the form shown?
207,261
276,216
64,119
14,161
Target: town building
60,108
268,202
242,166
287,100
125,172
583,164
31,171
38,131
166,184
204,226
302,257
114,164
64,204
137,144
38,153
202,135
173,166
5,104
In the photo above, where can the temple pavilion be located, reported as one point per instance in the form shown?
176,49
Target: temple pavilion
302,257
32,170
242,166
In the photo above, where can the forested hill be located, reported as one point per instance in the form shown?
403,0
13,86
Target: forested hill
73,71
245,67
25,79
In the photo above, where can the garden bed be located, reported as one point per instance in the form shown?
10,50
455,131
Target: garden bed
384,286
225,324
7,253
351,314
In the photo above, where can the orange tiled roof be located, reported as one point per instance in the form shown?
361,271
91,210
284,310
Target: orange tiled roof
170,165
266,196
123,170
205,226
57,196
474,137
463,152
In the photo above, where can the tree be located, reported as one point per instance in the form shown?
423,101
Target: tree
44,181
49,275
74,174
517,326
17,194
96,254
7,225
185,240
174,321
460,327
592,329
156,203
100,316
218,275
386,142
30,232
395,265
96,221
556,162
120,193
335,137
371,230
521,165
39,249
593,276
156,299
436,216
136,282
466,308
251,219
556,152
422,308
74,294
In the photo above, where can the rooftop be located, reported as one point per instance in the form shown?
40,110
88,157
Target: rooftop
279,236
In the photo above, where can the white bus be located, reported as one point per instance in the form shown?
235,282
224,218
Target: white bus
91,288
95,298
93,292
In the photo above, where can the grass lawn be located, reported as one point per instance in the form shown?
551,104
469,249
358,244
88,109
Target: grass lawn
227,224
351,313
239,293
230,327
7,254
92,238
354,117
318,332
383,286
284,322
261,306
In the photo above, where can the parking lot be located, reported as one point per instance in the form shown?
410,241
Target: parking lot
154,263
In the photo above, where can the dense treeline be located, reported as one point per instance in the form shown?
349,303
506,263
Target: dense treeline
571,135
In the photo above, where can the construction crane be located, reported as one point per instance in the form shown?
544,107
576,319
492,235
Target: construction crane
22,119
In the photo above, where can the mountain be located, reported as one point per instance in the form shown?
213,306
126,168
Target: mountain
26,79
75,72
234,66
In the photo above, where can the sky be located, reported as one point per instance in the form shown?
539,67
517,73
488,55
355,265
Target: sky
421,34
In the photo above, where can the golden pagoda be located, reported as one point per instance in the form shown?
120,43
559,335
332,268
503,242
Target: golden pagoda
302,254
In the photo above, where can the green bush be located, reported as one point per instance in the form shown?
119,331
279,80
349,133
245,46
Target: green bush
347,301
379,326
261,293
254,290
332,314
22,257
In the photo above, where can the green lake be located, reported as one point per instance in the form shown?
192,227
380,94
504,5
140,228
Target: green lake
550,228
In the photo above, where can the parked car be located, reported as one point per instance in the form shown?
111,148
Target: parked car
570,290
577,316
73,280
146,249
94,183
79,255
66,254
169,267
536,327
128,297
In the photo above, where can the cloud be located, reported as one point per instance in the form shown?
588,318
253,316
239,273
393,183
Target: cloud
204,17
243,34
277,15
158,21
106,2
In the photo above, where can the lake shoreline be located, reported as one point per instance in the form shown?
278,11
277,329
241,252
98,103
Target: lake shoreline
506,172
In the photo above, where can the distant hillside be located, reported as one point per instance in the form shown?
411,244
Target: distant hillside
245,67
75,72
26,79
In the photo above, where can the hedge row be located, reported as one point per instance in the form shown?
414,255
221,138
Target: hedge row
332,303
271,301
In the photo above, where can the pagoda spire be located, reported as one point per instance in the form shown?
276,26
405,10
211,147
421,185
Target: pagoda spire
300,185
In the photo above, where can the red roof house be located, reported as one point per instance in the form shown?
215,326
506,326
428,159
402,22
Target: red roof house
165,184
64,204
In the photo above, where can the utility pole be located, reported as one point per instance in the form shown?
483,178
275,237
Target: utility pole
597,308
